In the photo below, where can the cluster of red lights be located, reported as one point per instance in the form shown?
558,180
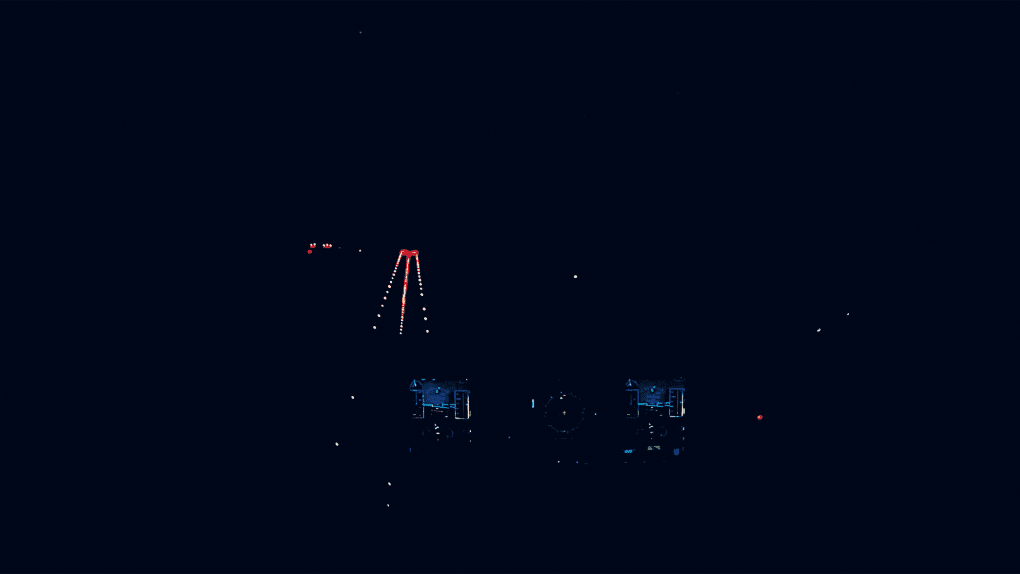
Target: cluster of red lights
324,246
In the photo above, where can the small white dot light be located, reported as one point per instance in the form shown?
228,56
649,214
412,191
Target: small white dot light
423,308
426,318
373,326
575,276
338,444
819,330
426,330
352,396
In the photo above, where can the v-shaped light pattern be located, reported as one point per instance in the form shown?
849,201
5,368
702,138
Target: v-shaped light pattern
407,270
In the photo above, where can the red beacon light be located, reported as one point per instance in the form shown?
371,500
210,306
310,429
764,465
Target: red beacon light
759,417
309,251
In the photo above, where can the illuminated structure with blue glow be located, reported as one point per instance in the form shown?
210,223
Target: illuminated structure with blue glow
660,406
436,397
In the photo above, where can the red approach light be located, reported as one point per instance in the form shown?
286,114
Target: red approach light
759,417
309,251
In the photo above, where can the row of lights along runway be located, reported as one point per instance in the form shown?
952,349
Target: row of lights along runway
407,270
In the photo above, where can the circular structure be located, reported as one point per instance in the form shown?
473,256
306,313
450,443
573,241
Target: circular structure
564,413
309,251
759,417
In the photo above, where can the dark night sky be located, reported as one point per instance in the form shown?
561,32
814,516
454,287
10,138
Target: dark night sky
721,192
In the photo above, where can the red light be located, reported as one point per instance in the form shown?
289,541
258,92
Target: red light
759,417
309,251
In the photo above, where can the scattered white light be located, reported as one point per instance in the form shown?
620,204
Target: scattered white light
423,308
575,276
422,294
848,313
426,330
338,444
384,297
388,484
359,251
387,506
426,318
373,326
819,330
352,396
378,315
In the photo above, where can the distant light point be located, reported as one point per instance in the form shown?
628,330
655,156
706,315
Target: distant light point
819,330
